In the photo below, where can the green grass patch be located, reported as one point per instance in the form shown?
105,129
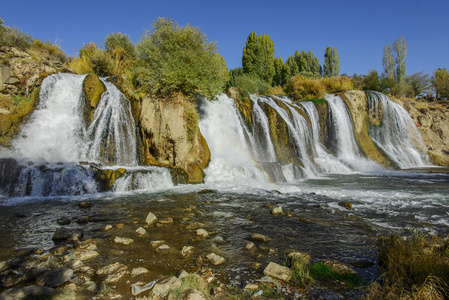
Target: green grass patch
320,271
318,101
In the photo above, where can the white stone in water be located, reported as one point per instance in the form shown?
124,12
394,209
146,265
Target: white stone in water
139,271
277,271
203,233
187,251
156,244
107,227
85,254
260,237
277,210
164,286
151,218
123,241
215,259
163,249
141,231
114,271
250,246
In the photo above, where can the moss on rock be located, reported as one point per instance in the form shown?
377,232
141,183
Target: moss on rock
93,88
106,178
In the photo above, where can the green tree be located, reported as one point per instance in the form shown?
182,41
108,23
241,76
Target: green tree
331,62
301,61
120,45
314,64
371,81
440,82
400,48
258,57
388,62
233,74
419,83
290,68
174,58
278,71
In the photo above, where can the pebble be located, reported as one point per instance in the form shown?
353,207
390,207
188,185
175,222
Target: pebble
141,231
203,233
123,241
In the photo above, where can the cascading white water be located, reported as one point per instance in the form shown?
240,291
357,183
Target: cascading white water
327,162
144,178
298,131
261,124
397,134
232,163
346,148
55,131
112,134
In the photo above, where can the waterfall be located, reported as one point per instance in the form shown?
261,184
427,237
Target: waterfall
112,134
396,134
232,161
345,146
327,162
55,139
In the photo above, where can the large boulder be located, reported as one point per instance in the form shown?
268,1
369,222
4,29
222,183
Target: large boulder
171,136
93,88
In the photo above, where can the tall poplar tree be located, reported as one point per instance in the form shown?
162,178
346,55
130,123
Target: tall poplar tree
258,57
388,62
336,62
400,48
278,71
328,70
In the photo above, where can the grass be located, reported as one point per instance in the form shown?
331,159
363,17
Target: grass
413,268
191,281
319,271
300,271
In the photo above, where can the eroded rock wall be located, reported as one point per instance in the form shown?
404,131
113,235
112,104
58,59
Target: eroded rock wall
171,137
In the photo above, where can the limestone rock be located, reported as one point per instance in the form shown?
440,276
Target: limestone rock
249,246
277,271
139,271
277,210
107,227
123,240
215,259
163,249
187,251
195,225
257,237
64,221
114,271
203,233
85,204
28,292
85,254
151,219
165,285
166,221
4,265
338,267
55,277
141,231
156,244
193,294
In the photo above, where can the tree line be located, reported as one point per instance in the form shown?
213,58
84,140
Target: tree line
170,58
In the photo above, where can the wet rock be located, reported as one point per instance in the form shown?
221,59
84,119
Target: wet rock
251,287
183,274
85,254
255,265
141,231
114,271
306,221
4,265
27,292
277,210
75,265
163,249
139,271
192,294
89,244
58,250
165,285
361,264
64,221
119,226
85,204
203,233
54,278
156,244
10,278
137,289
150,219
346,204
277,271
215,259
195,225
338,267
187,251
65,234
207,191
123,240
257,237
166,221
107,227
83,220
249,246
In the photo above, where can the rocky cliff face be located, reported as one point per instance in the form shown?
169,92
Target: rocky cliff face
171,137
432,120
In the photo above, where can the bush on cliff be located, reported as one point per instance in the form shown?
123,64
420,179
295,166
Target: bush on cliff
179,59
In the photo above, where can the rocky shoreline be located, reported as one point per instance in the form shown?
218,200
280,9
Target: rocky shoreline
156,256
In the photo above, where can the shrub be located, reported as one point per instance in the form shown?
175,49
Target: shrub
47,49
337,84
248,84
276,90
174,58
13,37
305,88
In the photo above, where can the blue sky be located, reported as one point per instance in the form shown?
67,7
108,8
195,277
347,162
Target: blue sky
359,29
